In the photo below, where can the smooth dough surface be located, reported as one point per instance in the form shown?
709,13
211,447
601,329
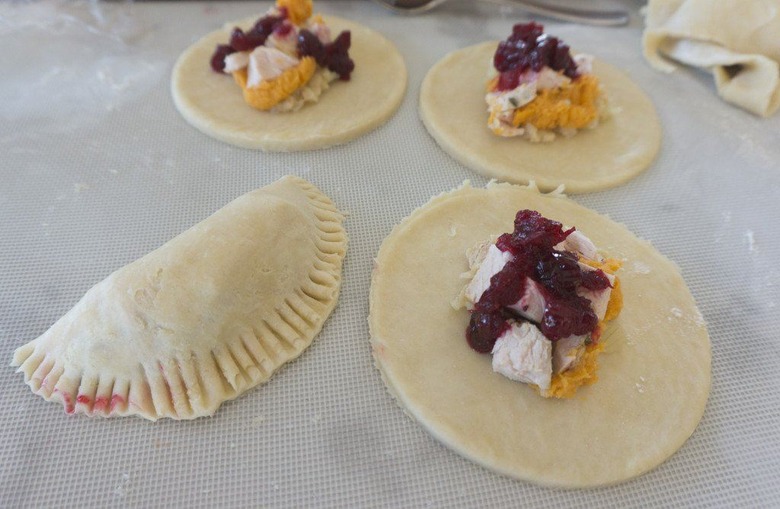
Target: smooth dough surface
203,318
595,159
654,376
213,103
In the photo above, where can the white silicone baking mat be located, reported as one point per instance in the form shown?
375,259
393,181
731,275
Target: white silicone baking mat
97,168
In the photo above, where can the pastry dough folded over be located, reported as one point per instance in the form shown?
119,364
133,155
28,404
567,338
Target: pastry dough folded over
738,40
203,318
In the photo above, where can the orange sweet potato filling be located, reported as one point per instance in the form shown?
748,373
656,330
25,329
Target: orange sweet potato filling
298,11
269,93
572,105
565,385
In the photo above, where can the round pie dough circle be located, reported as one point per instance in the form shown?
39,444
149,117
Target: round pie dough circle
453,109
214,104
654,376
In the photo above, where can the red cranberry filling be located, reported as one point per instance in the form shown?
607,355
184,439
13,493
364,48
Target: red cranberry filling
484,329
247,41
530,48
218,58
283,29
531,244
334,56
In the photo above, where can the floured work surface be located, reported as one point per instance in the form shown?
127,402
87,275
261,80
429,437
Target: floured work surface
97,168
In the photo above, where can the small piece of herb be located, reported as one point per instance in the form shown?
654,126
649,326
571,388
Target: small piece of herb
513,101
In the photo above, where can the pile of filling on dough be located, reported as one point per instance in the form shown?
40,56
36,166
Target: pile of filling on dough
287,59
541,89
539,298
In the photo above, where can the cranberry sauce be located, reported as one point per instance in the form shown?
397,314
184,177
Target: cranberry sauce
218,57
530,48
334,56
247,41
531,245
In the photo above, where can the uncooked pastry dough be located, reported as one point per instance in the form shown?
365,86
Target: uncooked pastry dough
205,317
214,104
738,41
654,376
453,109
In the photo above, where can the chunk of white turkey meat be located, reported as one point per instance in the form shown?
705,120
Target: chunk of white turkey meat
236,61
522,353
530,305
266,64
577,242
567,352
492,263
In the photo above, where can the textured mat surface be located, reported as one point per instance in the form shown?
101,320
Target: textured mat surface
97,168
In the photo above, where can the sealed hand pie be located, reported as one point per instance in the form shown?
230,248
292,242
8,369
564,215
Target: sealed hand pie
653,374
529,109
205,317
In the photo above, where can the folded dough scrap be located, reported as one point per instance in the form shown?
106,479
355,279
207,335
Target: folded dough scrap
202,319
738,40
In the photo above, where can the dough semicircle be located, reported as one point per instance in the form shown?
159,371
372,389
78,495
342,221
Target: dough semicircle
200,320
